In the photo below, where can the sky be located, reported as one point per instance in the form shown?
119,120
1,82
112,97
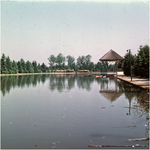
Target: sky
34,30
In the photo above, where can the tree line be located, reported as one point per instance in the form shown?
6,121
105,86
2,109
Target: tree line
139,62
13,67
55,63
83,62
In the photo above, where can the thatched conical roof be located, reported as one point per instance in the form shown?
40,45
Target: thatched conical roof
111,95
111,56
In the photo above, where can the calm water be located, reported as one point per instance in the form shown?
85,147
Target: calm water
70,111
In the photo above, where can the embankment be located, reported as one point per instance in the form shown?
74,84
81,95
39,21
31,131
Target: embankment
142,83
21,74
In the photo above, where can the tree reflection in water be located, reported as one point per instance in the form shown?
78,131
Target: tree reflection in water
85,82
110,88
61,82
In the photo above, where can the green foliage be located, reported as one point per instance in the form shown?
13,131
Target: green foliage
75,68
60,59
57,62
111,67
19,67
120,64
88,59
3,65
43,67
52,61
34,64
29,67
91,66
104,66
83,62
126,62
23,65
70,61
9,65
141,65
98,66
14,67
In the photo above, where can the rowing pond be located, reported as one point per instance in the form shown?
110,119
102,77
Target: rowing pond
71,111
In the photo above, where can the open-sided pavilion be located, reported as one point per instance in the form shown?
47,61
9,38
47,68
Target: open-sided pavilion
111,56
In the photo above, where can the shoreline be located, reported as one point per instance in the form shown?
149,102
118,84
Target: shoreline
19,74
140,82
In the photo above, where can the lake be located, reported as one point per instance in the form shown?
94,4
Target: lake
70,111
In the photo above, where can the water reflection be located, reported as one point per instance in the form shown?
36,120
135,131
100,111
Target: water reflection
111,95
67,82
58,82
61,82
111,88
70,117
9,82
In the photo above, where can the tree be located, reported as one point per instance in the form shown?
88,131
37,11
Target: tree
19,67
34,64
52,60
9,65
3,65
29,67
23,65
104,66
60,60
126,63
75,67
88,59
85,66
141,64
70,61
111,67
120,64
91,66
81,60
39,66
14,67
98,66
43,67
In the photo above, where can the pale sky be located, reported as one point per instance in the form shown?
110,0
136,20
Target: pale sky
34,30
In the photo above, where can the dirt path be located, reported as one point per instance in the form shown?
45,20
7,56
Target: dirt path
143,83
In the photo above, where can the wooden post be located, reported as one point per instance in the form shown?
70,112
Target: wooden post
130,64
117,68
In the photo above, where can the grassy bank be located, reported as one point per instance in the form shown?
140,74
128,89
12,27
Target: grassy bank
21,74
